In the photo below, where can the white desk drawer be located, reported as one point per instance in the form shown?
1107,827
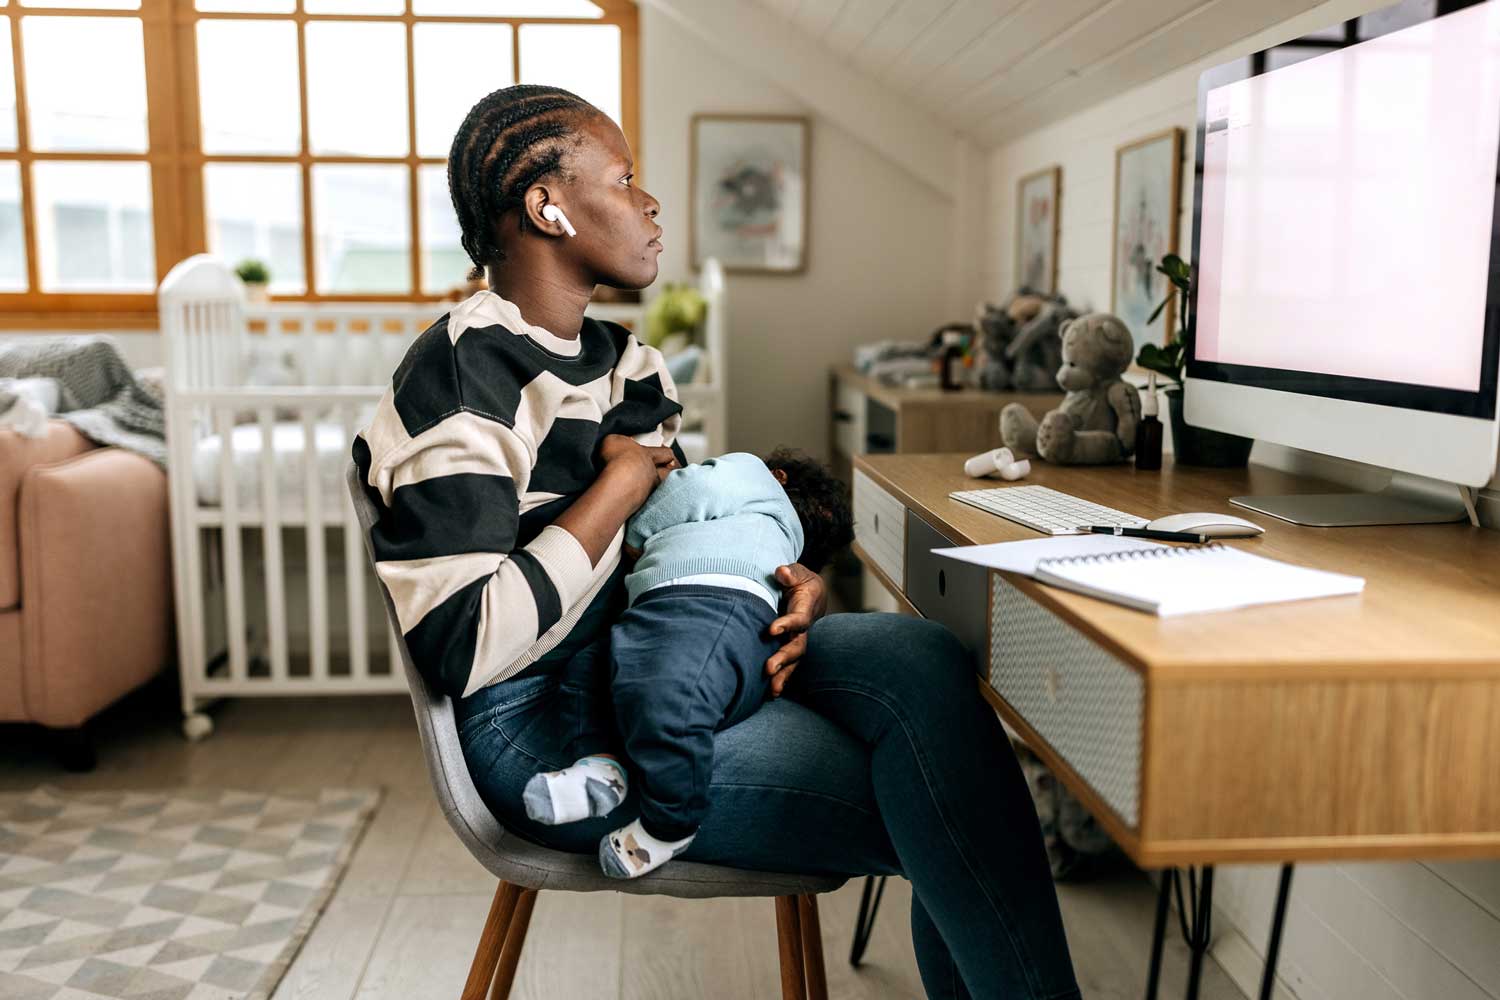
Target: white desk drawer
880,526
849,420
1085,703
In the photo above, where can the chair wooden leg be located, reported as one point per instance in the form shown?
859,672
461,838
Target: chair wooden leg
491,939
789,937
812,948
515,940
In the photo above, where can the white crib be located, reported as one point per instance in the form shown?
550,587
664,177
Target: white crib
273,593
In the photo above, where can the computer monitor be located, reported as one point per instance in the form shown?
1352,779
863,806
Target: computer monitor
1345,227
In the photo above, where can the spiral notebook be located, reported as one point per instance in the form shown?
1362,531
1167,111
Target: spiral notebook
1183,581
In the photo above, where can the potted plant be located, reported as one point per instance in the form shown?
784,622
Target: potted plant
678,309
256,277
1190,445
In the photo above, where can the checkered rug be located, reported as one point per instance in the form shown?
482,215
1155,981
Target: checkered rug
188,894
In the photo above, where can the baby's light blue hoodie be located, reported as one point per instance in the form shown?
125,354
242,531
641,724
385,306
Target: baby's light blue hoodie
728,515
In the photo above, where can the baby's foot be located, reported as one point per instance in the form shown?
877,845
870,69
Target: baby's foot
631,852
593,786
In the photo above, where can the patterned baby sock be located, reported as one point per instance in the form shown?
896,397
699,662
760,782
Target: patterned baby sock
631,852
593,786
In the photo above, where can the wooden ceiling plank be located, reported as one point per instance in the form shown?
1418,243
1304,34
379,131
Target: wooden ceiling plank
1035,35
957,31
978,62
814,16
898,30
1114,27
854,23
1210,29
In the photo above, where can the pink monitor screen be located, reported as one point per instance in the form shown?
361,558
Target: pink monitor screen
1346,208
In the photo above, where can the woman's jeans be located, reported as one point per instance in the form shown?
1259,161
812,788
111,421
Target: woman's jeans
881,758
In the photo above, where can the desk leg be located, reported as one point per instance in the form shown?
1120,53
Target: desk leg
1278,921
1201,929
865,922
1159,932
1195,917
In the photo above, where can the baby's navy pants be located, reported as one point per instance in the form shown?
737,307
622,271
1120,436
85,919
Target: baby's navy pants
679,665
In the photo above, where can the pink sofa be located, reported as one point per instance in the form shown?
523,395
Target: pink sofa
85,580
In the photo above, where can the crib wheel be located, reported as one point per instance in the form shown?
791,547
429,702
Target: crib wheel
197,727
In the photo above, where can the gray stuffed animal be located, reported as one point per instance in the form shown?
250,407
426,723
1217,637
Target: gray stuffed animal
1021,345
1095,424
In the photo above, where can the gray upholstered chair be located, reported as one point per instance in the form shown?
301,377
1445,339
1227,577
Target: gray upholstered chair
525,868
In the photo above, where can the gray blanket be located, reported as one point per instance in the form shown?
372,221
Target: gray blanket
98,393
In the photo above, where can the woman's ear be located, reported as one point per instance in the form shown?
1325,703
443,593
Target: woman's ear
538,196
780,475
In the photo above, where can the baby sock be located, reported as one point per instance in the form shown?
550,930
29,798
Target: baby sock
593,786
631,852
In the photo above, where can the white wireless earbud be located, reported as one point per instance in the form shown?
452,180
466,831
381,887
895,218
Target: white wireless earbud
1000,462
554,214
987,462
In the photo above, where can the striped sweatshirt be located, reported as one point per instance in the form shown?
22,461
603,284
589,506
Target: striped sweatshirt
488,432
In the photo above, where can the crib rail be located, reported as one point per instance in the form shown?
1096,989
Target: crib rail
231,531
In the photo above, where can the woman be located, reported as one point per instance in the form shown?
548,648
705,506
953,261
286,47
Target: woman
517,439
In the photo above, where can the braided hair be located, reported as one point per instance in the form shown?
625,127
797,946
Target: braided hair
510,140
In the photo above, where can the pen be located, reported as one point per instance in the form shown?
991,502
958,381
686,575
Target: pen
1160,536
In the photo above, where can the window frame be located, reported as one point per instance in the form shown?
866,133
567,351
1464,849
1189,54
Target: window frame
175,157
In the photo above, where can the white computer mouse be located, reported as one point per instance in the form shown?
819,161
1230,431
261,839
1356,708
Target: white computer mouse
1210,524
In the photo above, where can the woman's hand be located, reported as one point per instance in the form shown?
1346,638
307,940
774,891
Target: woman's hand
806,602
639,467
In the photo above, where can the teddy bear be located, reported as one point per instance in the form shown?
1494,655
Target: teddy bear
1095,424
1020,346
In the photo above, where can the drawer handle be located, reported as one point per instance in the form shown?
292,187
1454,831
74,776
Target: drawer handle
942,584
843,416
877,523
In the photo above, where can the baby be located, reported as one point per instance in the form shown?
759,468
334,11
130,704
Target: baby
687,658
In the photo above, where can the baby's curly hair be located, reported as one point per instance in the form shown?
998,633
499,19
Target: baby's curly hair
822,504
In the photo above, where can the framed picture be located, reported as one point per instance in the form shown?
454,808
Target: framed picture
1036,230
749,180
1148,190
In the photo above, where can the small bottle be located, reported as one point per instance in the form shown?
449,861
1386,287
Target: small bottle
1148,431
952,361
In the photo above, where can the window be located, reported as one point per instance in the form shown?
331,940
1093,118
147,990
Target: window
310,134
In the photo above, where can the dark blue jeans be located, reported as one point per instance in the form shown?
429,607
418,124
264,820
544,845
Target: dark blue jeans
681,664
881,759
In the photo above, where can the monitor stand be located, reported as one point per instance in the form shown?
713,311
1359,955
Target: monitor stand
1406,500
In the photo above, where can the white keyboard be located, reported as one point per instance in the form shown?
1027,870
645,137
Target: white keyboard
1046,510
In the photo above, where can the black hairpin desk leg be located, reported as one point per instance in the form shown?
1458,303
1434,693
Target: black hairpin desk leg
1278,921
1195,917
869,904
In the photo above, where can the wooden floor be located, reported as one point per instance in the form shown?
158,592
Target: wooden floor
404,921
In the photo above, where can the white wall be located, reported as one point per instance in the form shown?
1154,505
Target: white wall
1355,932
877,263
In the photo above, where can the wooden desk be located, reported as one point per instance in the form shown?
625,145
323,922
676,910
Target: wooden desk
1363,727
869,416
1353,727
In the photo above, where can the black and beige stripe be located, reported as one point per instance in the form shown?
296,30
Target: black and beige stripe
483,439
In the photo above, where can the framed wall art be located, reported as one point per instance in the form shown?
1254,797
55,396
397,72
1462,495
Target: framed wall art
749,187
1148,192
1037,206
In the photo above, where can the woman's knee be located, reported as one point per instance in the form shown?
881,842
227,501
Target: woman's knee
901,650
